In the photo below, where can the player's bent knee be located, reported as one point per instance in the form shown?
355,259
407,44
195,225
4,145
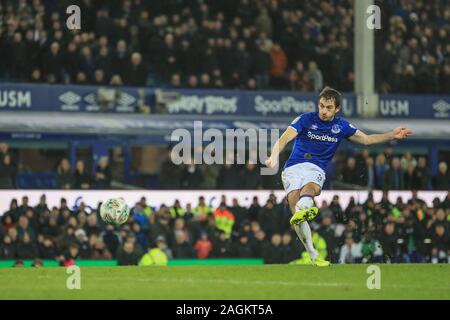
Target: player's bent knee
312,189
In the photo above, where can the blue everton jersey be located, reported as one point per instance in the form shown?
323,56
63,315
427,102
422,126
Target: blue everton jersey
317,140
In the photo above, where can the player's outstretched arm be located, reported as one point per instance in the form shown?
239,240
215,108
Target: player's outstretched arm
281,143
368,139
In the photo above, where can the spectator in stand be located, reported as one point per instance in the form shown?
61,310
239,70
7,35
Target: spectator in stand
440,244
394,178
203,246
350,174
100,252
47,249
26,249
228,176
136,73
279,65
380,168
224,219
191,176
407,160
388,241
262,63
350,252
8,249
412,181
65,175
269,219
424,174
272,253
128,255
442,179
242,248
290,249
182,248
251,177
316,76
222,246
7,173
82,178
103,174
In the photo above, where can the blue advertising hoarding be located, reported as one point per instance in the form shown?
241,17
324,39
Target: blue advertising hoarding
248,103
67,98
414,106
71,98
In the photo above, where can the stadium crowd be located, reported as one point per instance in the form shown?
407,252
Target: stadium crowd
414,47
389,171
365,232
239,44
386,170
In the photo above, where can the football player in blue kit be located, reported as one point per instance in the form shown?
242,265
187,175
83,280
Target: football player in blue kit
317,136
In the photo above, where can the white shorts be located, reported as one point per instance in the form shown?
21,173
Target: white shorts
297,176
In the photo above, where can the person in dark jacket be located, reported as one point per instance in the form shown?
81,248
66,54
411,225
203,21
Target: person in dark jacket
250,178
442,179
192,177
412,181
440,244
65,175
182,248
290,250
7,173
8,249
394,178
136,73
222,246
242,249
111,239
127,256
388,241
272,253
228,177
103,174
269,219
26,249
47,249
82,177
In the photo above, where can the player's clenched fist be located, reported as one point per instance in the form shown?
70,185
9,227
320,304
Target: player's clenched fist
270,163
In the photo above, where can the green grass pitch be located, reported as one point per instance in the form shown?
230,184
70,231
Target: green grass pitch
411,281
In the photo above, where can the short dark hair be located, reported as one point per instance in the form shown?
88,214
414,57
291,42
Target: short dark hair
329,93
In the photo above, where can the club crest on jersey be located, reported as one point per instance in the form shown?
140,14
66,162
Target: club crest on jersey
336,129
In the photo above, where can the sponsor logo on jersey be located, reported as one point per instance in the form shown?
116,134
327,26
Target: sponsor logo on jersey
326,138
336,129
314,127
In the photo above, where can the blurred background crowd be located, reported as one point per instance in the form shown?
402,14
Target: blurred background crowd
404,231
386,170
238,44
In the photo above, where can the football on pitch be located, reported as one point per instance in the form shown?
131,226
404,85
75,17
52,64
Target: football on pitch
114,211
